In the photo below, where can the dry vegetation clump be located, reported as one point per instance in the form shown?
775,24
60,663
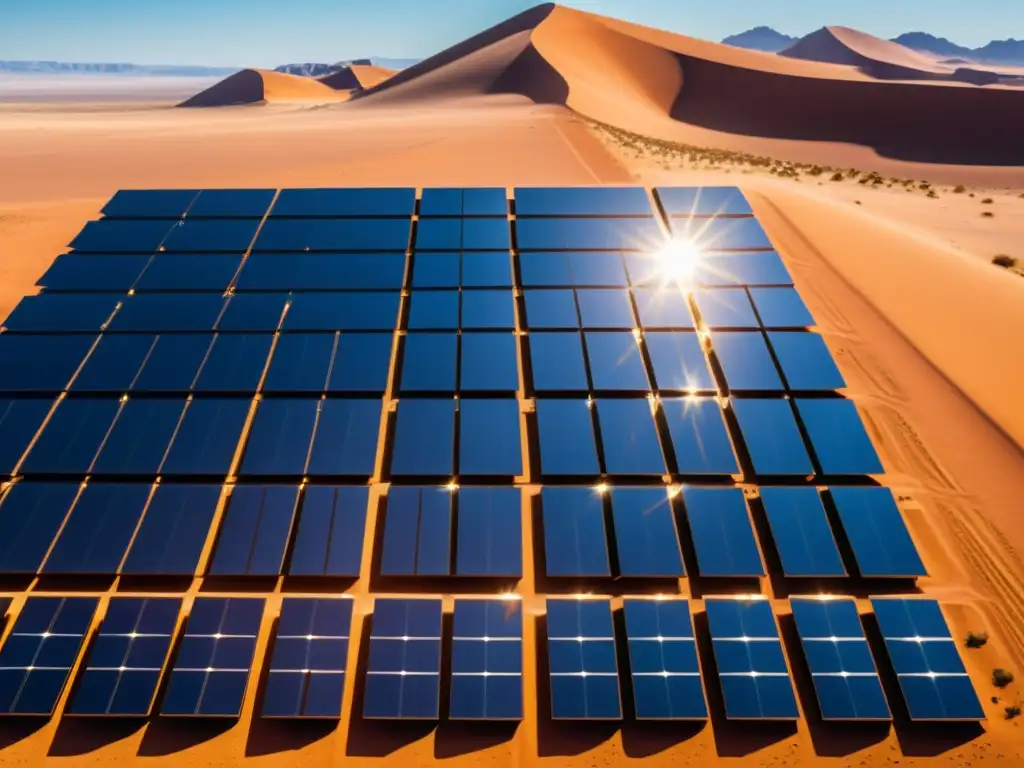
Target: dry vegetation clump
988,214
987,201
931,193
959,189
1012,711
1003,260
1001,677
976,639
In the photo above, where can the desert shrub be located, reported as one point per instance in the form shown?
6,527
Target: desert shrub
1002,260
924,185
1012,711
931,193
815,170
976,639
959,189
988,215
1001,677
987,201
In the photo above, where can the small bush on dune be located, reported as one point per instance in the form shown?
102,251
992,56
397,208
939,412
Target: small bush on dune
1002,260
976,639
987,201
1001,677
988,215
1012,712
959,189
931,193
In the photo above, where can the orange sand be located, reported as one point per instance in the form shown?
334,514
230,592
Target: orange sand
357,76
255,86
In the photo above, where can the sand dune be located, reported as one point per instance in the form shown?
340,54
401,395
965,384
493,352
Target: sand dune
357,77
255,86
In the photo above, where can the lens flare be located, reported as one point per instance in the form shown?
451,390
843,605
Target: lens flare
677,262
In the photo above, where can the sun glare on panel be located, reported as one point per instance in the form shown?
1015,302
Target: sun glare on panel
677,263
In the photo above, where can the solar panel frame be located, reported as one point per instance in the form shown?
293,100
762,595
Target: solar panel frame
487,660
582,661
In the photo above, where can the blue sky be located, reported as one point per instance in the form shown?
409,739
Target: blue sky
271,32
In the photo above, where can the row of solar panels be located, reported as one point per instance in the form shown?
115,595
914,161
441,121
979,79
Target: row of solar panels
142,530
434,201
122,674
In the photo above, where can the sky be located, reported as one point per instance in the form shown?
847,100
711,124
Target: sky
266,33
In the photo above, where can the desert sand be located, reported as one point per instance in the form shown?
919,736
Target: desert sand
262,86
357,77
925,329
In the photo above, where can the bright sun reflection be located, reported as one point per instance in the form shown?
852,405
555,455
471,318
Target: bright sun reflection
677,262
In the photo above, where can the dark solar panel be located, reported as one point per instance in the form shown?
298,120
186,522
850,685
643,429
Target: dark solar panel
490,441
845,679
763,268
663,660
31,514
149,203
722,532
489,532
307,667
703,201
487,660
232,203
188,272
255,531
629,437
60,312
171,365
663,308
725,234
582,661
594,269
567,442
424,438
580,234
772,437
329,537
96,534
645,533
322,272
403,675
417,532
125,662
83,272
484,201
434,311
37,657
430,362
487,310
486,235
280,437
557,362
162,312
370,201
139,439
486,270
439,235
441,201
781,308
746,361
207,437
802,534
253,312
575,543
932,676
114,363
357,235
345,443
751,666
806,362
605,308
678,361
700,439
489,362
211,235
342,312
19,422
551,309
173,532
615,362
40,364
838,437
118,236
361,363
877,534
725,308
582,201
437,270
235,363
212,665
545,270
72,437
301,363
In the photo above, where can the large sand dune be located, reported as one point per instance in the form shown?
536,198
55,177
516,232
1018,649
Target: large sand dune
255,86
356,77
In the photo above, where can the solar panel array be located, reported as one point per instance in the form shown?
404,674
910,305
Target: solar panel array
251,389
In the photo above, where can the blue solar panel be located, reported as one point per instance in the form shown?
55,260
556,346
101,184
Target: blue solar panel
772,437
40,364
751,666
424,442
488,310
188,272
139,439
434,310
253,312
605,308
802,534
370,201
211,669
489,438
57,312
417,532
235,363
487,660
439,235
211,235
342,312
594,269
357,235
149,203
403,675
481,234
629,438
763,268
82,272
322,272
746,361
361,363
232,203
615,362
207,437
254,532
345,444
96,534
441,201
117,236
575,543
845,678
173,532
932,676
72,437
161,312
700,439
301,363
722,532
582,201
703,201
725,234
582,661
307,668
678,361
567,442
557,362
781,308
636,234
878,536
37,657
663,308
838,437
806,361
489,532
645,533
19,422
437,270
115,362
474,201
122,670
489,362
663,660
280,437
329,539
31,514
545,270
725,308
554,309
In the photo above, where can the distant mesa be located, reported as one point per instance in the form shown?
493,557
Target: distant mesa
72,68
316,69
260,86
761,39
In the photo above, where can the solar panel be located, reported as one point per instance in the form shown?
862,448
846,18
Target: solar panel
307,669
678,361
253,312
335,235
772,437
486,270
725,308
322,272
489,532
663,660
123,668
139,438
663,308
120,236
61,312
172,363
39,653
46,364
488,310
545,270
424,441
615,362
436,270
724,234
722,532
806,362
235,363
31,514
342,312
113,364
403,675
430,362
582,201
434,311
567,443
96,534
700,439
255,531
605,308
580,234
557,363
781,307
149,203
19,421
345,443
164,312
838,437
232,203
487,660
581,660
72,437
878,536
489,362
802,534
471,201
301,363
188,272
439,235
490,438
551,309
211,235
746,361
645,533
486,235
329,538
417,532
629,438
173,532
932,677
574,532
207,437
211,669
751,666
82,272
383,201
761,268
703,201
595,269
280,437
845,679
361,363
